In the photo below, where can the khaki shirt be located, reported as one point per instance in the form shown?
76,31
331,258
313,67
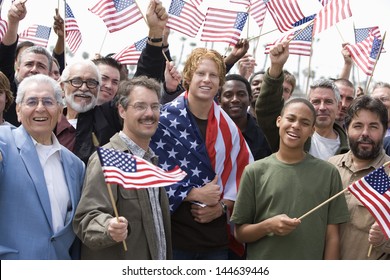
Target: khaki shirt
354,234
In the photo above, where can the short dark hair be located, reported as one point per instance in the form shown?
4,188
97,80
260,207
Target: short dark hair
261,72
300,100
21,45
366,102
127,86
236,77
108,61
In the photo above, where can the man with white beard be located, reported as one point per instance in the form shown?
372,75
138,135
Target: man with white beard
83,126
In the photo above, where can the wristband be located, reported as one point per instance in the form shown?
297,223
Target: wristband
155,40
224,207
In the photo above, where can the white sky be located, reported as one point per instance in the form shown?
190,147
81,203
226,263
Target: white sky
326,60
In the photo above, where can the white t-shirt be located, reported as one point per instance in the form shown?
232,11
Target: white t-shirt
322,147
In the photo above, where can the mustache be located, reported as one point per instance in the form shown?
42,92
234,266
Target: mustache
365,140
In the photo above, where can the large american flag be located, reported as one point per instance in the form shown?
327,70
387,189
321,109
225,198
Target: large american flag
284,12
300,45
38,34
373,190
178,141
365,53
223,26
130,55
258,11
333,12
73,34
184,18
133,172
117,14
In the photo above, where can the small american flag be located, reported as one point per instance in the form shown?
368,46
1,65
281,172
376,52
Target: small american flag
373,190
333,12
117,14
184,18
73,34
132,172
362,33
258,11
38,34
223,25
284,12
365,53
131,54
300,45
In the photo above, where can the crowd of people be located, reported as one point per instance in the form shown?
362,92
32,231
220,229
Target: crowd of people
257,158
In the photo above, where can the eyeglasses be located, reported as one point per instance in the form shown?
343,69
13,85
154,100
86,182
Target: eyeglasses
142,107
77,83
33,102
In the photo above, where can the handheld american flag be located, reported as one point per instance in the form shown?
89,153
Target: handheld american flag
300,45
365,53
73,34
132,172
257,11
117,14
333,12
184,18
373,190
38,34
131,54
284,12
223,25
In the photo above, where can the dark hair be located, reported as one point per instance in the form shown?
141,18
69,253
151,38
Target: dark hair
236,77
300,100
127,86
345,82
366,102
290,78
261,72
21,45
108,61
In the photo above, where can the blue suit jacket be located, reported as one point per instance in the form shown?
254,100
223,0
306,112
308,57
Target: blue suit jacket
25,213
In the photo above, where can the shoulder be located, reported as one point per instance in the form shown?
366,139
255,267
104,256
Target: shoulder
337,160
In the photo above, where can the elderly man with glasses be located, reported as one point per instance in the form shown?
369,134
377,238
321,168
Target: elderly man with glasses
83,126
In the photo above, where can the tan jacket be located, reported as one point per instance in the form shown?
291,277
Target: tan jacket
95,209
354,234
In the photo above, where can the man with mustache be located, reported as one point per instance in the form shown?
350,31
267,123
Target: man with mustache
83,125
366,124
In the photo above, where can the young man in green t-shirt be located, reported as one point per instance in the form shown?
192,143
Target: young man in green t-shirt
276,190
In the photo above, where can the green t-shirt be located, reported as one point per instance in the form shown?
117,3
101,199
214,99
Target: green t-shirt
270,187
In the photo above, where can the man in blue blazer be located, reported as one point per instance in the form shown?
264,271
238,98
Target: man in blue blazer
40,180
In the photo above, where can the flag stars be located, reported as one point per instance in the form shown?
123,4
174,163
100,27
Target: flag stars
184,162
183,112
174,103
174,123
166,132
160,144
184,134
165,165
172,153
171,192
194,145
196,172
164,113
183,195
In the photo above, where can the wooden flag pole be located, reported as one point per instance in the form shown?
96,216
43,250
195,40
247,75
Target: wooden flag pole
376,61
143,16
115,211
323,203
258,36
